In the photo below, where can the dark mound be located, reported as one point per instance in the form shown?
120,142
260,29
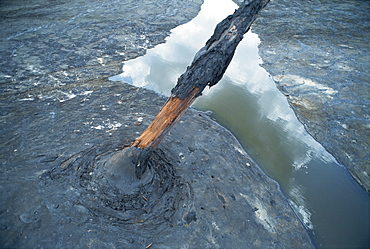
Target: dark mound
105,182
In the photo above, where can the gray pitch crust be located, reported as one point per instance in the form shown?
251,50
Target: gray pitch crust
56,104
217,197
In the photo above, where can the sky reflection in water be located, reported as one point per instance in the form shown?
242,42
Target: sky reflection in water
246,101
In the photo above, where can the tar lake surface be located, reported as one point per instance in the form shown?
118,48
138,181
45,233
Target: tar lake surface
59,127
332,206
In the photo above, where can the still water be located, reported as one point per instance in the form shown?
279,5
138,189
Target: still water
331,205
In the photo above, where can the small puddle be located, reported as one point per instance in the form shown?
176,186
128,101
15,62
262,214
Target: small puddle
331,205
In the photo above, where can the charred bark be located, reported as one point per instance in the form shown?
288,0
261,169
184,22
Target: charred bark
207,69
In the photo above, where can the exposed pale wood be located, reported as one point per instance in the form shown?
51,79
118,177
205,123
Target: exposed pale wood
167,117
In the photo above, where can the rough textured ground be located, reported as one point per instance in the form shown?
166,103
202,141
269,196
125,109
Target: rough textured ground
218,197
60,116
318,54
51,44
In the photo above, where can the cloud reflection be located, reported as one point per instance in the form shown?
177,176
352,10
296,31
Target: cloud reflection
168,61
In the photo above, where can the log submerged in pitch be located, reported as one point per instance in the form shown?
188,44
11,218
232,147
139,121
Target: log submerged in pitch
207,69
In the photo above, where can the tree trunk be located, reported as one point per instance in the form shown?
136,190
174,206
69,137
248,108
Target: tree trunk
207,69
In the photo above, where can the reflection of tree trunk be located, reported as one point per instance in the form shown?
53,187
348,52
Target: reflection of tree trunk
207,69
